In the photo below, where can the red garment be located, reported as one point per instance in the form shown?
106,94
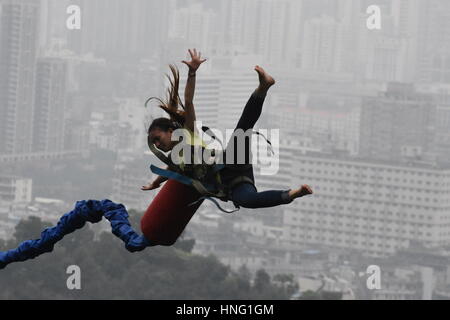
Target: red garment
169,213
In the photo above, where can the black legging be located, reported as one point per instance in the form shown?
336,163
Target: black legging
246,194
248,119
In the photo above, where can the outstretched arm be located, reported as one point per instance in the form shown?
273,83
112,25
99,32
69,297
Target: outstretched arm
189,91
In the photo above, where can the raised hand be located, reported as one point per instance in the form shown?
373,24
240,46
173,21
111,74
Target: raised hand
195,62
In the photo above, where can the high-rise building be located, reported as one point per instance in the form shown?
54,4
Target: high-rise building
53,23
434,41
385,58
120,28
327,45
398,125
268,28
319,44
195,24
422,25
15,189
49,105
19,23
372,207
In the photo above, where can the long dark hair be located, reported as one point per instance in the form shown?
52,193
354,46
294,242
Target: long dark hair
163,124
171,105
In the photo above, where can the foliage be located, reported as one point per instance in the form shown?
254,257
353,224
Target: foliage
108,271
321,295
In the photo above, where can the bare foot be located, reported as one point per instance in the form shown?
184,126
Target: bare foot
304,190
265,80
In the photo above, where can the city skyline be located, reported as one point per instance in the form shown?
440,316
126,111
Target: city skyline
346,96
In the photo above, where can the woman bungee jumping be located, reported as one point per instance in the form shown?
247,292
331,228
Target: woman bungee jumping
237,179
186,185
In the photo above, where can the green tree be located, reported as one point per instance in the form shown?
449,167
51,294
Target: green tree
108,271
287,282
262,280
30,228
310,295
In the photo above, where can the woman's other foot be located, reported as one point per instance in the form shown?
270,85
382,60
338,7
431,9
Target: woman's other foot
265,80
304,190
